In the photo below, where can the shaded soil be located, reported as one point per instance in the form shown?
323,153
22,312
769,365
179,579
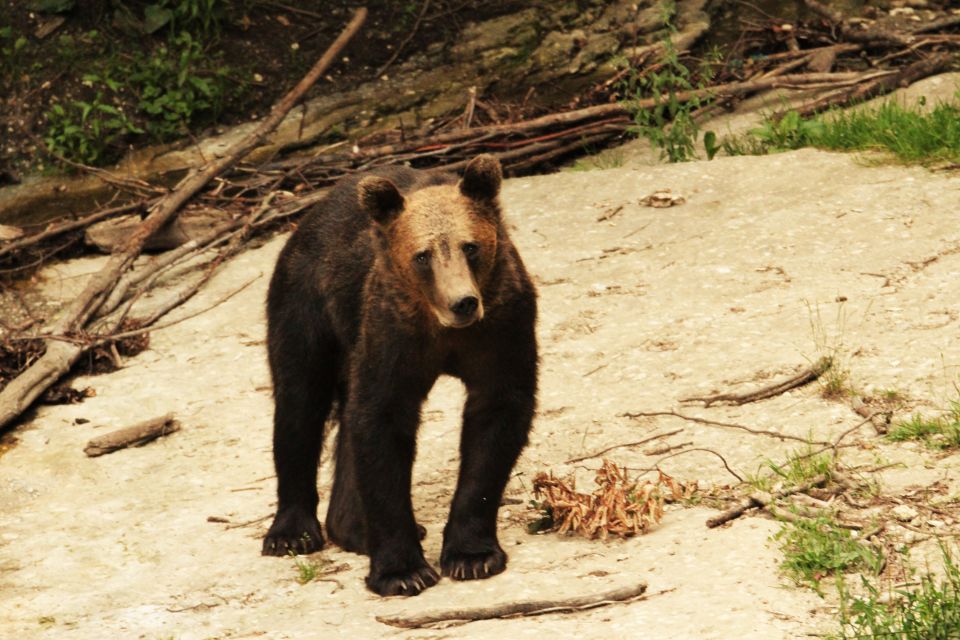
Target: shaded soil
265,46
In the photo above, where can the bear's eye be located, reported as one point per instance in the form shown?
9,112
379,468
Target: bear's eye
422,258
470,249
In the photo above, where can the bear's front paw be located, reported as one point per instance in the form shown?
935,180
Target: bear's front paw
403,583
293,531
473,566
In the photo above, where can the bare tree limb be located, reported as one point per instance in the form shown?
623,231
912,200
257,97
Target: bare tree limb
806,376
135,436
513,609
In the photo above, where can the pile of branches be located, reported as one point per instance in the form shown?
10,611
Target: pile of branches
618,506
828,54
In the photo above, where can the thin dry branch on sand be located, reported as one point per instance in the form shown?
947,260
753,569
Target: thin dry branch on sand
133,436
60,355
726,425
597,454
451,617
760,500
806,376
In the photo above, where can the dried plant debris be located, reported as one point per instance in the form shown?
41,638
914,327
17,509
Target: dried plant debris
661,199
618,506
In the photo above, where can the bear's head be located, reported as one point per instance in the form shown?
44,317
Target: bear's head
440,241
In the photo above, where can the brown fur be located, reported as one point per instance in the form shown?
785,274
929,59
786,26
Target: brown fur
397,278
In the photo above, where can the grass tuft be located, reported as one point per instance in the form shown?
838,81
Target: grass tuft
817,548
908,133
931,611
938,432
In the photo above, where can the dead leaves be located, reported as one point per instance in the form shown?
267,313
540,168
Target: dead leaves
618,506
661,199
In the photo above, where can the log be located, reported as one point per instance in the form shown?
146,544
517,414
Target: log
511,609
60,356
134,436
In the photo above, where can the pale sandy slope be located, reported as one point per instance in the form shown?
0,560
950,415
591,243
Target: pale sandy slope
658,304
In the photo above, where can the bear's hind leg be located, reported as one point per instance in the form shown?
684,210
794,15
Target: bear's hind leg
346,526
304,380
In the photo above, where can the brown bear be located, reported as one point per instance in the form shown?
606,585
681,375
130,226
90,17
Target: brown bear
395,278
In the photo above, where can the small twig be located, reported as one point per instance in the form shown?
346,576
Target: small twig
249,522
597,454
726,465
135,436
609,213
805,376
728,425
755,500
514,609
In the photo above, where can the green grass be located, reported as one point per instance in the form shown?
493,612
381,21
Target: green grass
801,466
939,432
908,133
308,570
930,611
817,548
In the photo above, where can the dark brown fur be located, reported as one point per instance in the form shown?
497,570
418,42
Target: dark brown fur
394,279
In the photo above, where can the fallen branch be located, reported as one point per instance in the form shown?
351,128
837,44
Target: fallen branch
514,609
879,85
60,356
806,376
759,500
624,445
135,436
728,425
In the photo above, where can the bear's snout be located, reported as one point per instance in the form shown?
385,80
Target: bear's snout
465,308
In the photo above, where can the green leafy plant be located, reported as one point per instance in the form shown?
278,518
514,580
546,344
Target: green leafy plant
669,124
816,548
200,17
929,611
87,131
12,47
177,87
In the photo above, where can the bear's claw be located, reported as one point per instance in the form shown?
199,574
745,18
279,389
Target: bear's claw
404,584
293,532
473,566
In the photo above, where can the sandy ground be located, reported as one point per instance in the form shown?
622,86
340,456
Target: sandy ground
770,263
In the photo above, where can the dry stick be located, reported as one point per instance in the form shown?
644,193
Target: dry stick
873,35
879,85
626,444
54,230
60,356
135,436
755,500
726,465
603,111
513,609
806,376
728,425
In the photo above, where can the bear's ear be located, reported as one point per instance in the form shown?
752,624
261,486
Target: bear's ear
380,198
481,178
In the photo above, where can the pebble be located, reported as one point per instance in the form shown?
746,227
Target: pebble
904,513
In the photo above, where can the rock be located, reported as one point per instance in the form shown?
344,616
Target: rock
189,225
904,513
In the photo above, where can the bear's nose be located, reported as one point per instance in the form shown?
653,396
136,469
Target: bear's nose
466,306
